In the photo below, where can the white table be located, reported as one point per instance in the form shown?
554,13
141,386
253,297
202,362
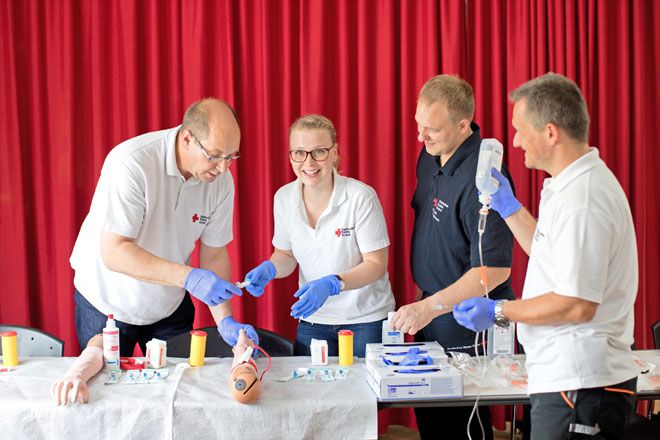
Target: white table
515,395
191,403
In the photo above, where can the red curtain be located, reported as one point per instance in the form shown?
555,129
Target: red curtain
79,77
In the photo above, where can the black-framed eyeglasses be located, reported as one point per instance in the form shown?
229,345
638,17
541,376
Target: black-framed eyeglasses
319,154
228,157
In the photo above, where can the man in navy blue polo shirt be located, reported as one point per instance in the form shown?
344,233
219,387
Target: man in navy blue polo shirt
445,243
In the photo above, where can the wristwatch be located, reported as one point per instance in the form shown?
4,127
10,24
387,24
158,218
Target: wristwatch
500,319
342,284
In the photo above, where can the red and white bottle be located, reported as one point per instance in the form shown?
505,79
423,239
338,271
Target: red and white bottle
111,345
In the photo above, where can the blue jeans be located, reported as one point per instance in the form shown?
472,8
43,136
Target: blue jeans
363,334
90,322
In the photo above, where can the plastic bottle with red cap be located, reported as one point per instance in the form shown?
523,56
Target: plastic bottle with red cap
345,347
197,348
111,345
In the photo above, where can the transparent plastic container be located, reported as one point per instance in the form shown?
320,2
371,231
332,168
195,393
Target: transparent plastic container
491,153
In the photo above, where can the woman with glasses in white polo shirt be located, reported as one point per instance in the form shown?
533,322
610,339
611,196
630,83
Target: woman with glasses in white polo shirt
334,229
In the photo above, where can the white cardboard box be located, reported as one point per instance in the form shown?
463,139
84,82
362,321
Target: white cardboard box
396,352
398,383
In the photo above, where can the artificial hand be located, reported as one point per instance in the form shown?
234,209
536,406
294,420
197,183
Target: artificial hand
209,288
503,201
259,277
229,329
477,314
313,295
72,387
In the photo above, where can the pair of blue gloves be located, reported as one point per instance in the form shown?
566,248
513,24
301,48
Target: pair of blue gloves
478,314
311,296
212,290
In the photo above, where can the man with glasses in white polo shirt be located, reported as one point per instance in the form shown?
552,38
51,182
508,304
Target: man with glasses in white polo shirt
157,195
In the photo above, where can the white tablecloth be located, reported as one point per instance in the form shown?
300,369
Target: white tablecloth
191,403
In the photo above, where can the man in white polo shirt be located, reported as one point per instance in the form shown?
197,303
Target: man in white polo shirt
157,195
576,315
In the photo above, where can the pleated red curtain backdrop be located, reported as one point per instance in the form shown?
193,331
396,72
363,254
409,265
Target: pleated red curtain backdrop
77,78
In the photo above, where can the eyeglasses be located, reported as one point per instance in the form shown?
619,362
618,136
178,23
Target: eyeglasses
319,154
228,157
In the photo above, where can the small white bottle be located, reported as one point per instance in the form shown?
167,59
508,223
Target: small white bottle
491,153
111,345
390,336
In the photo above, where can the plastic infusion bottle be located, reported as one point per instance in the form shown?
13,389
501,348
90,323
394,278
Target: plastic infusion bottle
490,156
345,347
9,349
111,345
390,336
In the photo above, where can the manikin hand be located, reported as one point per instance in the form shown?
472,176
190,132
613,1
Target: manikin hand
477,314
209,288
313,295
259,277
72,387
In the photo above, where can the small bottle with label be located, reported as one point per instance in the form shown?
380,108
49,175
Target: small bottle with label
390,336
111,345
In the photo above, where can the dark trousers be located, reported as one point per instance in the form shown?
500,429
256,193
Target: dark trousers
590,413
90,322
451,422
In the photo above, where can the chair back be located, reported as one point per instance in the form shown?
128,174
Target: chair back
33,342
655,329
275,345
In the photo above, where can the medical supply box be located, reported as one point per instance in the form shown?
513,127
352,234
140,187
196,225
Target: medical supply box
390,382
396,352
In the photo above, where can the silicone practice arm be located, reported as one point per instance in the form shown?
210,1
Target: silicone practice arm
73,386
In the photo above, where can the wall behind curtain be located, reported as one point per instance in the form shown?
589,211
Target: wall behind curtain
77,78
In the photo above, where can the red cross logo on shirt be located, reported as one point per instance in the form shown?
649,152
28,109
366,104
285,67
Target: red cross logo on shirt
338,232
195,218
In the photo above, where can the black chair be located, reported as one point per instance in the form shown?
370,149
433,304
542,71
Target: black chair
274,344
33,342
655,329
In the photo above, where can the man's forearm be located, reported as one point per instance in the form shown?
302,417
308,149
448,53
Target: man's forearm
550,309
469,285
125,256
522,225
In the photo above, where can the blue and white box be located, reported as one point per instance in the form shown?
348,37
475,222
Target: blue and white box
413,382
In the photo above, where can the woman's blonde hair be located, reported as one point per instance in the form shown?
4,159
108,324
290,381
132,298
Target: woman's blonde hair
316,122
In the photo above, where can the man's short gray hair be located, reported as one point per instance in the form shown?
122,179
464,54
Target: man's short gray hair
555,99
197,117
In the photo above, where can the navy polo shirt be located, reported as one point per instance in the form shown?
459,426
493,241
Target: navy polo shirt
445,241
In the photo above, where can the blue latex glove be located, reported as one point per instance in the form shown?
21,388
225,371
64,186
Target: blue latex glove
503,201
259,277
477,314
229,329
209,288
413,357
313,295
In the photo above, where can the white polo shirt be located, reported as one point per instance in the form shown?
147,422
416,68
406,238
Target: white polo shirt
142,195
352,224
584,246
